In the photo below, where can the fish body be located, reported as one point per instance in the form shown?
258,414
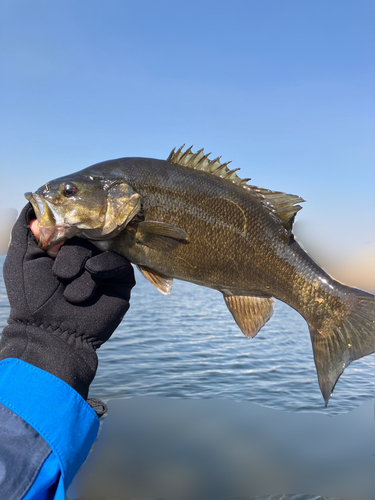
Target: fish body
193,219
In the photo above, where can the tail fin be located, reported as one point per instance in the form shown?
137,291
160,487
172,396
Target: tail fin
342,340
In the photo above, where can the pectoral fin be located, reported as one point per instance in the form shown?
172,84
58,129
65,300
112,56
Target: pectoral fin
250,313
163,284
160,235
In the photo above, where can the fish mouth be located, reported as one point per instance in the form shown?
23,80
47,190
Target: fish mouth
51,230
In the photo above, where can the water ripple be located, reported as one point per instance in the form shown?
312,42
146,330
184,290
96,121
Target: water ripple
187,345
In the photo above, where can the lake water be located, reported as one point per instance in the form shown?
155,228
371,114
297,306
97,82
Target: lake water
192,408
187,345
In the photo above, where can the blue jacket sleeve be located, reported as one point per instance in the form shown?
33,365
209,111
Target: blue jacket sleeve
46,432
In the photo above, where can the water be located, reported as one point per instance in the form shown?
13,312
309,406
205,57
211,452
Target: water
206,449
187,345
182,380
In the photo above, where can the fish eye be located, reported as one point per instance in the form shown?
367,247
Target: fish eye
69,189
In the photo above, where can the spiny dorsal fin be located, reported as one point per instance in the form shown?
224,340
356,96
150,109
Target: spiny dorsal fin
280,204
200,161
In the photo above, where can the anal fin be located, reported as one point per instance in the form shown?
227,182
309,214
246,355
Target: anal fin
250,313
163,284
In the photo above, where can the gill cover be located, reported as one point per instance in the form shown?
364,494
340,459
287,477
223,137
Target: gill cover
123,203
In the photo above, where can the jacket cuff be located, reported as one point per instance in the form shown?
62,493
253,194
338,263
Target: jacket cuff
69,358
55,410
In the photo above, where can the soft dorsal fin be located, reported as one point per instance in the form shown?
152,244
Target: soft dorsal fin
280,204
250,313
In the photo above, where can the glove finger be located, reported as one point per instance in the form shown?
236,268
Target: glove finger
81,289
110,311
107,265
116,289
71,258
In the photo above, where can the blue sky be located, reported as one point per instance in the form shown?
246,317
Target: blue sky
284,89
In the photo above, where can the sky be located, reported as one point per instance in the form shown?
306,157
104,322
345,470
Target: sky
284,89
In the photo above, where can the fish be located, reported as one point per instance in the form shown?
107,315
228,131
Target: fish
193,219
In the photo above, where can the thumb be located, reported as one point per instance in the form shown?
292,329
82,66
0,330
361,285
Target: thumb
108,265
72,257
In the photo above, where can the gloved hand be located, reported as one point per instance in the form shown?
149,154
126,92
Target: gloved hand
62,309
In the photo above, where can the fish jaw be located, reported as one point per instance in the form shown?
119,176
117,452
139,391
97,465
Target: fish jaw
52,229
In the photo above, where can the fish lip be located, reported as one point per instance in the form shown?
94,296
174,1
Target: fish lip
50,232
30,198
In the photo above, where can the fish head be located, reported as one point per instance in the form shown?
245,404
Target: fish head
81,205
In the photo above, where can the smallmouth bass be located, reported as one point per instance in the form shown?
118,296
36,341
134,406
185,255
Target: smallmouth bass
193,219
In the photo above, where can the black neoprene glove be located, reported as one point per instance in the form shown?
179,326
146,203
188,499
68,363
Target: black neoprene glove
62,309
